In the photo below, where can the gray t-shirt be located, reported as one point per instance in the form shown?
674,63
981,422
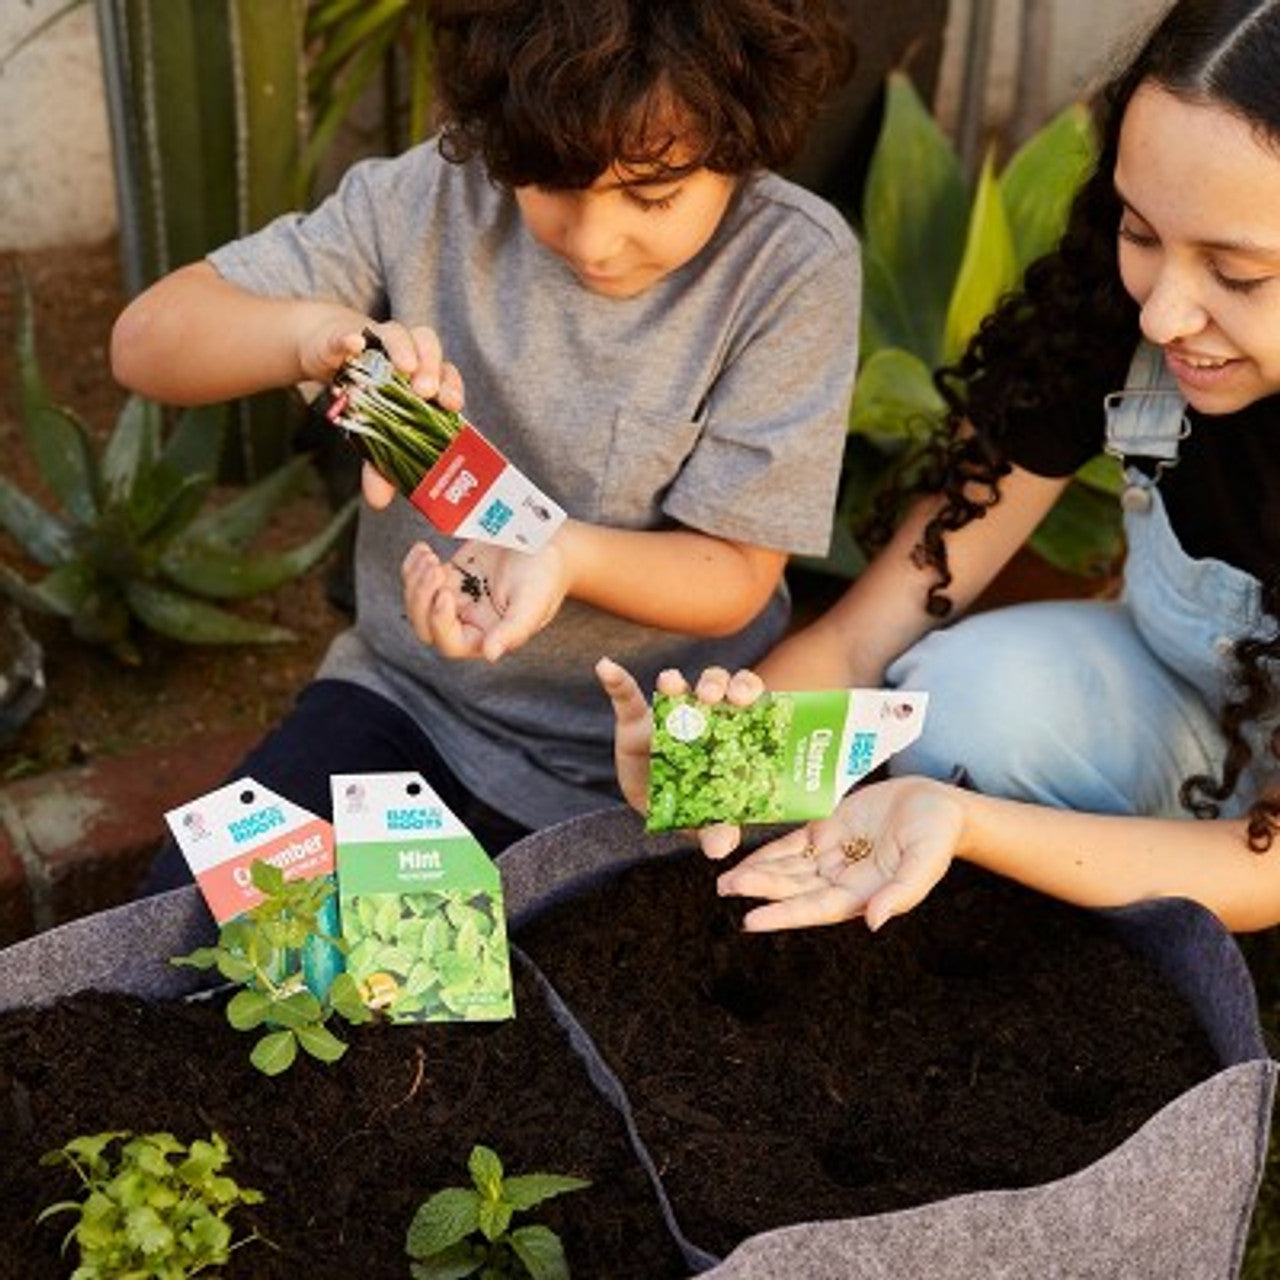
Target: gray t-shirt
716,400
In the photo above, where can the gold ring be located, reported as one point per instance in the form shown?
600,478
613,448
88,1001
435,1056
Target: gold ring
856,848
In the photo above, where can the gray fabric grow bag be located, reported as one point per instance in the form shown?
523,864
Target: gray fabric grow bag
1173,1200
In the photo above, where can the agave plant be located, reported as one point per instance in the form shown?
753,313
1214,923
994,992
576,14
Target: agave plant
939,254
136,539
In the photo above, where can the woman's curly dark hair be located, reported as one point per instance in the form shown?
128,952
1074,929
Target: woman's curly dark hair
1068,335
553,92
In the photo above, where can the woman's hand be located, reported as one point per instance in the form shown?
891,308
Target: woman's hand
633,732
877,856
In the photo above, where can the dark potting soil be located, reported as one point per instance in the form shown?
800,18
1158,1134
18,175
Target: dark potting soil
344,1153
991,1038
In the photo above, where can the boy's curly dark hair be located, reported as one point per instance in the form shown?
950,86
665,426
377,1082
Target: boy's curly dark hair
553,92
1068,335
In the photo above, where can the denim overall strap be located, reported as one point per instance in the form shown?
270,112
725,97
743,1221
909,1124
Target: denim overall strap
1148,419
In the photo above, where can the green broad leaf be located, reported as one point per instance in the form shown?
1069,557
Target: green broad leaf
194,622
485,1168
1042,178
200,958
1083,533
45,538
344,999
445,1219
132,449
266,876
234,968
248,1009
540,1250
321,1043
301,1009
147,1231
495,1218
455,1263
988,270
56,438
529,1189
1103,473
894,399
275,1052
220,573
913,223
235,524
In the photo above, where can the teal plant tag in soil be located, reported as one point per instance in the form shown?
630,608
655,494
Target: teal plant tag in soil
223,833
787,757
421,904
446,467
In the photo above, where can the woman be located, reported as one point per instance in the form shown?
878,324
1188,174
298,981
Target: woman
1089,731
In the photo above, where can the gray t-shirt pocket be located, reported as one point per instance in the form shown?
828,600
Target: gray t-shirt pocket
645,454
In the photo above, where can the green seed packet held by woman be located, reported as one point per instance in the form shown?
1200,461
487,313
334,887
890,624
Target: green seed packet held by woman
787,757
421,904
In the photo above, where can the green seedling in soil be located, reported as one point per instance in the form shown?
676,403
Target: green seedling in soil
730,772
424,955
153,1207
260,951
466,1231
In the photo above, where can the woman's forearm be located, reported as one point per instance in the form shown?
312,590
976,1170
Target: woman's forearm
1098,860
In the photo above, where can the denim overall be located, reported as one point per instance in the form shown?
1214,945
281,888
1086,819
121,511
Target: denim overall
1101,706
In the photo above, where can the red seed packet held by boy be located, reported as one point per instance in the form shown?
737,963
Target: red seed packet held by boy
436,458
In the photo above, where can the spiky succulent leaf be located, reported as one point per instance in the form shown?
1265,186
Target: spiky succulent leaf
194,446
220,573
56,438
179,617
131,450
236,523
44,537
165,501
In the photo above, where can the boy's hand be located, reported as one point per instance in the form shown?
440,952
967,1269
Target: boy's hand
633,733
487,601
878,855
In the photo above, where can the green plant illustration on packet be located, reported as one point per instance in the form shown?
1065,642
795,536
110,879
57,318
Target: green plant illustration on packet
787,757
420,903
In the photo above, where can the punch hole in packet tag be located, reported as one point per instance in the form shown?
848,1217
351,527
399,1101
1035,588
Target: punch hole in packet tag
421,904
222,834
787,757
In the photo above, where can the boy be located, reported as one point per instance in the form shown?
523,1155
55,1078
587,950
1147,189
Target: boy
656,329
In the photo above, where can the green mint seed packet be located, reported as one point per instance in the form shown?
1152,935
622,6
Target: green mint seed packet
421,904
787,757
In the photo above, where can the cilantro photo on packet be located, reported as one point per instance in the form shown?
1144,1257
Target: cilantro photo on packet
786,757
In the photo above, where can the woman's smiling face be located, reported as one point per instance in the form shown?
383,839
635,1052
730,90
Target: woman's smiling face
1199,245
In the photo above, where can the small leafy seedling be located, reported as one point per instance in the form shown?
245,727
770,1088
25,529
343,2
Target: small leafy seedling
260,950
466,1231
154,1207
